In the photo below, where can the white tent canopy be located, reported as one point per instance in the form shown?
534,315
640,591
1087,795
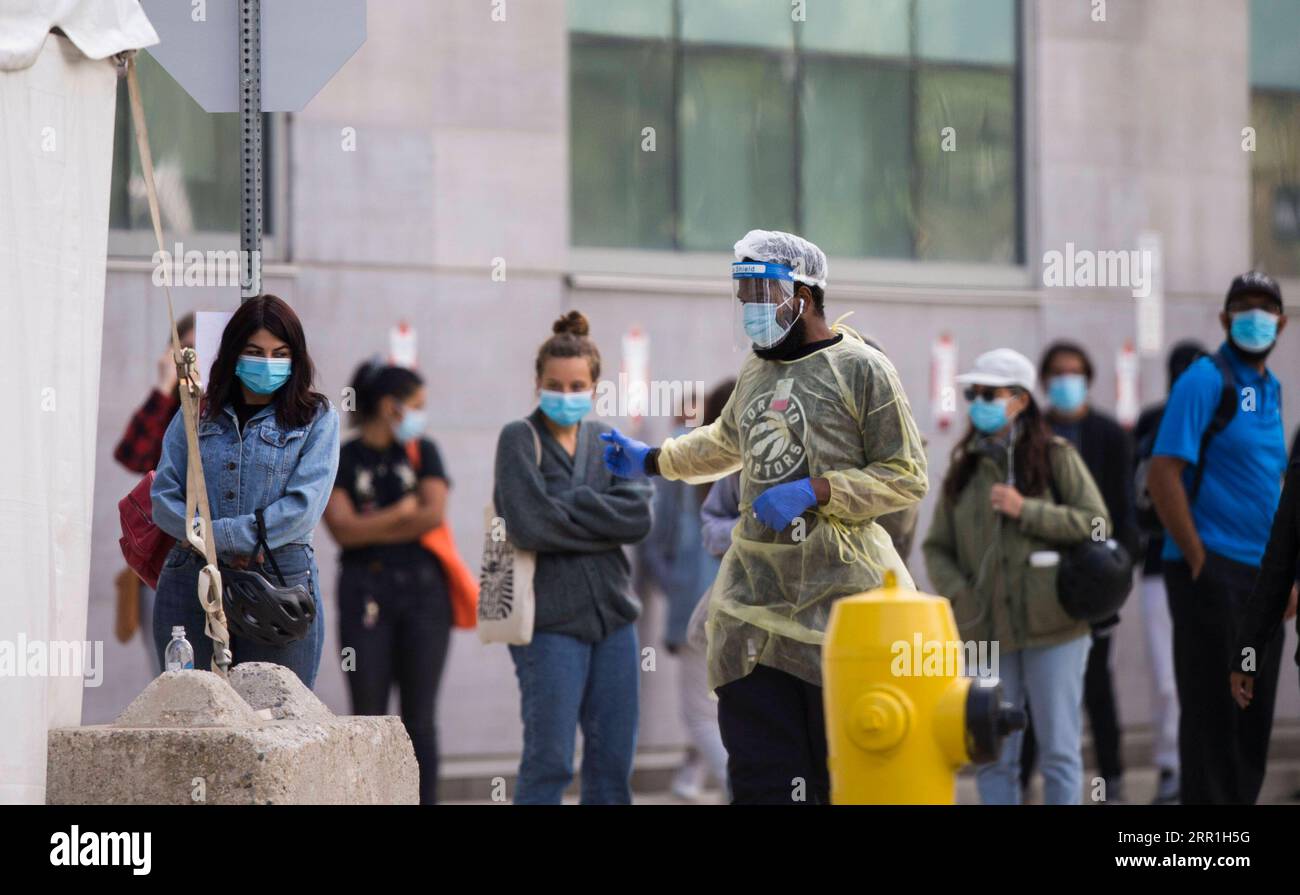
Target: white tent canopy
98,28
57,97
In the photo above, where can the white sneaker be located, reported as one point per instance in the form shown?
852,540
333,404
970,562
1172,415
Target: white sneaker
688,784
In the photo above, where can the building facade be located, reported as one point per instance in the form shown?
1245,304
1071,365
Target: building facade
481,166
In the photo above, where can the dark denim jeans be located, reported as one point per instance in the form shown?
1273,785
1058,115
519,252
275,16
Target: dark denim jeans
565,683
177,603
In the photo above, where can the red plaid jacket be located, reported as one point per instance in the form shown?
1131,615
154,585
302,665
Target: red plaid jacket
141,444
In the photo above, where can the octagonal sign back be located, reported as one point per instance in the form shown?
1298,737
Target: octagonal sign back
304,42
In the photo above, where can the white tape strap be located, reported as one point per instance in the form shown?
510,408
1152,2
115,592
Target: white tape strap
196,491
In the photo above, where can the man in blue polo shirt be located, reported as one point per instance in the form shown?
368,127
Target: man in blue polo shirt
1215,479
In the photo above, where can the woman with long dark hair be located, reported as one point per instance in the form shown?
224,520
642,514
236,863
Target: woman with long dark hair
394,605
1013,498
270,447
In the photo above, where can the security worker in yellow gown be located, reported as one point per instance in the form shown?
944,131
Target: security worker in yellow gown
824,439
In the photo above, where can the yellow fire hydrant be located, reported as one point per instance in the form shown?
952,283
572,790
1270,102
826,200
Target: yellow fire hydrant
901,715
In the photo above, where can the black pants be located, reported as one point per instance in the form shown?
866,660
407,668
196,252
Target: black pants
397,617
1103,715
774,727
1223,750
1099,700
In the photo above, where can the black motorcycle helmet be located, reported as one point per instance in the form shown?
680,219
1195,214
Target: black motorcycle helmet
1094,579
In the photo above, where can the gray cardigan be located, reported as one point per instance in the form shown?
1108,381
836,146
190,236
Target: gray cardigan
577,516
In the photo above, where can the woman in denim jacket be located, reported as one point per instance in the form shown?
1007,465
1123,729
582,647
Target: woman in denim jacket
269,442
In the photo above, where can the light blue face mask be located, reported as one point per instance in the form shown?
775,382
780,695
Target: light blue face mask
411,426
1254,331
263,375
760,324
566,408
763,288
989,416
1068,391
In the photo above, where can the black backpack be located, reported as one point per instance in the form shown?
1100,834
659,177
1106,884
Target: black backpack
1147,519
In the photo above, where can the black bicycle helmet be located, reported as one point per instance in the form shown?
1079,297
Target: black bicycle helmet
259,610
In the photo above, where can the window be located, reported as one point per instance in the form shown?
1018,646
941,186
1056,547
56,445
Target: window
694,120
196,157
1275,116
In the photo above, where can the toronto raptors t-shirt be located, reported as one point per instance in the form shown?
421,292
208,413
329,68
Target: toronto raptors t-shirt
375,479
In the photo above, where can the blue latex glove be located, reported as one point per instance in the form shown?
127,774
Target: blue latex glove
625,457
780,505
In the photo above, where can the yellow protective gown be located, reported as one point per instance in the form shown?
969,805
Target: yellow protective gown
841,414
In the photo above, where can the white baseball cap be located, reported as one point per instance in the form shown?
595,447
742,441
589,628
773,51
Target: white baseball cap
999,368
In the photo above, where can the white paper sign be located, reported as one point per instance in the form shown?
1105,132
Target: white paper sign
1127,403
208,327
1151,307
636,366
402,346
943,381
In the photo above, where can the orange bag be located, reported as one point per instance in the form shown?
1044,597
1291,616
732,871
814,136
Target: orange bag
127,621
462,585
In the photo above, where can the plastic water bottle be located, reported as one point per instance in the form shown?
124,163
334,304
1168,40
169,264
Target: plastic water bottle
179,654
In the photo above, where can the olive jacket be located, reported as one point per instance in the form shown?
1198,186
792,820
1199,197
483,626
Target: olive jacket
1000,573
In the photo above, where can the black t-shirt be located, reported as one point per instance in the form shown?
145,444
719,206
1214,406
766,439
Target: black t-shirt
243,410
813,347
375,479
1070,430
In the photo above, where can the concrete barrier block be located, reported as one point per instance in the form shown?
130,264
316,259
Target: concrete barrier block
186,699
264,685
191,738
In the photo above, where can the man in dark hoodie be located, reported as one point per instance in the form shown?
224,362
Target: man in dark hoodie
1066,372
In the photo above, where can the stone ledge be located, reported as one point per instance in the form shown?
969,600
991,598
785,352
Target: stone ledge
189,738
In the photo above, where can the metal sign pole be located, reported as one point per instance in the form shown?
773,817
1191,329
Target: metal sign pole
217,58
250,123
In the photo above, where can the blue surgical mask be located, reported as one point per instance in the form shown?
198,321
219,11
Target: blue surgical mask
1067,392
762,288
566,408
411,426
761,325
1254,331
263,375
989,416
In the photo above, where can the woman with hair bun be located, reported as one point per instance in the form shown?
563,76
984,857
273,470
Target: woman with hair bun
581,667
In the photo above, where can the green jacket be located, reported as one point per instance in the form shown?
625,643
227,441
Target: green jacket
980,560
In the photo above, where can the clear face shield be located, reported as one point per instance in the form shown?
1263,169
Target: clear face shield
765,306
